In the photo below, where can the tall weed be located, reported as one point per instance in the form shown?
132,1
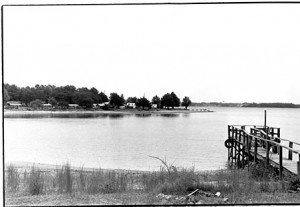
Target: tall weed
35,181
13,178
64,179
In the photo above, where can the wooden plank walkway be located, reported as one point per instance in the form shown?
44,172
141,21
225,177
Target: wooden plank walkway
290,165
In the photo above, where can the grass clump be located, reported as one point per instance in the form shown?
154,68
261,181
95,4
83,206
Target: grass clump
294,183
12,179
35,181
105,182
64,179
94,182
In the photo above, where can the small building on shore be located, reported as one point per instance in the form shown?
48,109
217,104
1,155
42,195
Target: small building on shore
96,106
73,106
131,105
154,106
47,106
14,104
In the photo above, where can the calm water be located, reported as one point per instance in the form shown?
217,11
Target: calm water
125,141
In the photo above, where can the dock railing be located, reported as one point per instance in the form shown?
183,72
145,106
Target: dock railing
240,143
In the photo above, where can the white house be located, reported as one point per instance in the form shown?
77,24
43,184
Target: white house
103,104
131,105
73,106
47,105
154,106
96,105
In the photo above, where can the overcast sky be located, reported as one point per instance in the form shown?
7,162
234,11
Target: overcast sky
231,53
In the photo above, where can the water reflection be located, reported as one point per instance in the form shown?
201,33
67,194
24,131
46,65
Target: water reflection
142,115
170,115
186,115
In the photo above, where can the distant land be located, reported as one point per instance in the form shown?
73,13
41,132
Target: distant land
261,105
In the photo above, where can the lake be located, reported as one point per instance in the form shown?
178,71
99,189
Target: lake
125,141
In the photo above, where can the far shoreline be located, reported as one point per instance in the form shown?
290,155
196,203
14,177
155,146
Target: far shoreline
120,111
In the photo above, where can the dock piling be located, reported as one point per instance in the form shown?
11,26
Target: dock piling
290,155
280,162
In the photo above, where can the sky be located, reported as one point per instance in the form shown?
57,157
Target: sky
230,53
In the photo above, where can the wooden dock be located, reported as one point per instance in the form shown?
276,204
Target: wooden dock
248,143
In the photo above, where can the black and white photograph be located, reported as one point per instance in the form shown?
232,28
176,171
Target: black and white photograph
150,102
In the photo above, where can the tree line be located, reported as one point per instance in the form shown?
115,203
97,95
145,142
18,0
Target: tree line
64,95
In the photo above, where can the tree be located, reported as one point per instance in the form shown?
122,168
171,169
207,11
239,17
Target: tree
39,91
63,104
115,100
143,102
6,96
36,104
103,97
84,99
167,101
186,102
86,102
27,95
131,100
156,100
176,100
13,91
95,95
52,101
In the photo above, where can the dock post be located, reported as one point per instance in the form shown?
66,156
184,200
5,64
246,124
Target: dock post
267,153
274,148
255,150
290,156
267,148
228,138
231,149
298,165
265,124
243,151
280,162
239,148
248,151
235,136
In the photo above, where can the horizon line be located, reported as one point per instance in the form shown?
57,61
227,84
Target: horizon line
158,3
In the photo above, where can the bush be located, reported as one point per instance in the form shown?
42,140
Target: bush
13,178
35,181
294,183
262,172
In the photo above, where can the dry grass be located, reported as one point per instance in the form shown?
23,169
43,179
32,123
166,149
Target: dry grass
12,179
34,182
240,186
64,179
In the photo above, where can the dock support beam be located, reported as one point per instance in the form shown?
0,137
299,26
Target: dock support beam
229,138
280,162
268,153
239,148
298,166
255,150
290,156
248,150
265,119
